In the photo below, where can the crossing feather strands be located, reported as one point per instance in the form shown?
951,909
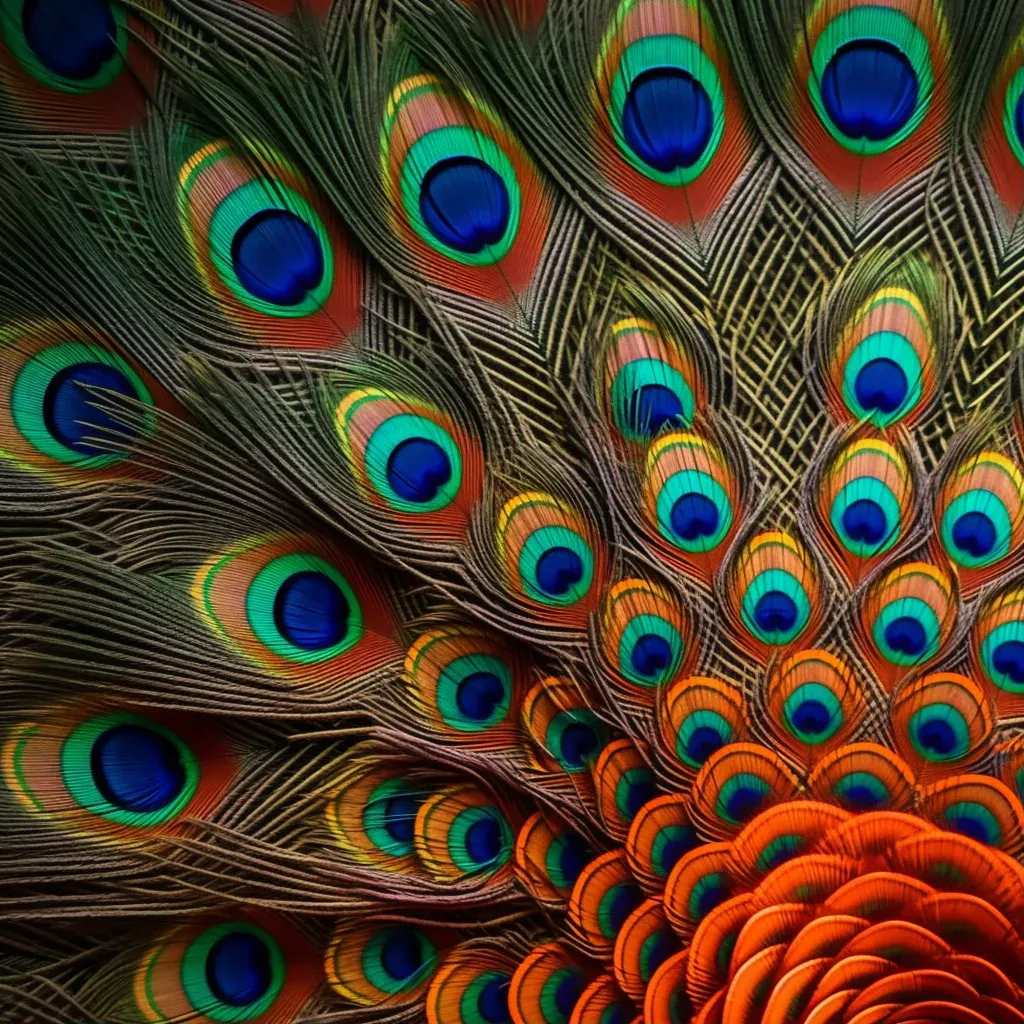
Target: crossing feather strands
511,512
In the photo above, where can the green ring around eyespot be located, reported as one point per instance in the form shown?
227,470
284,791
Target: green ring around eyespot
701,718
692,481
705,882
259,607
631,777
872,22
754,782
668,834
234,210
790,843
667,51
972,809
544,539
822,694
374,817
553,863
548,995
883,345
451,678
458,831
783,582
197,988
29,391
11,13
562,721
444,144
388,436
1014,91
604,909
911,608
655,625
864,779
866,488
372,962
950,715
638,373
1007,632
76,770
996,512
469,1004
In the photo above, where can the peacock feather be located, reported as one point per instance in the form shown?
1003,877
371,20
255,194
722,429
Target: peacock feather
511,511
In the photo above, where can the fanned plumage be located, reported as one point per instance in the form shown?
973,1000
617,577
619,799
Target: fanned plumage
511,511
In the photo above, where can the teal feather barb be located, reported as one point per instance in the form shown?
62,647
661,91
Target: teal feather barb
511,511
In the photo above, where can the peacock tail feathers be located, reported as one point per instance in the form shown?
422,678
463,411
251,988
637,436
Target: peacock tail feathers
511,511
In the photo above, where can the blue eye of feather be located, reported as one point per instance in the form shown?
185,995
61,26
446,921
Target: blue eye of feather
1008,660
479,694
975,534
775,612
650,407
864,520
811,717
311,611
881,385
651,655
861,798
578,742
70,413
624,901
869,89
401,955
710,897
492,1003
277,257
703,742
568,993
71,38
418,468
238,969
484,840
694,516
465,204
136,769
936,735
906,635
558,570
400,818
667,120
574,858
744,802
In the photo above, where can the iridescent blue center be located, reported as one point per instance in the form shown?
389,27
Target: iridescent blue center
558,570
492,1003
465,204
136,769
651,407
974,534
400,818
417,469
881,385
479,694
651,655
907,636
811,717
238,969
694,516
936,735
277,257
578,742
869,89
775,612
310,611
71,414
401,954
864,521
1008,660
484,840
703,742
71,38
667,119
